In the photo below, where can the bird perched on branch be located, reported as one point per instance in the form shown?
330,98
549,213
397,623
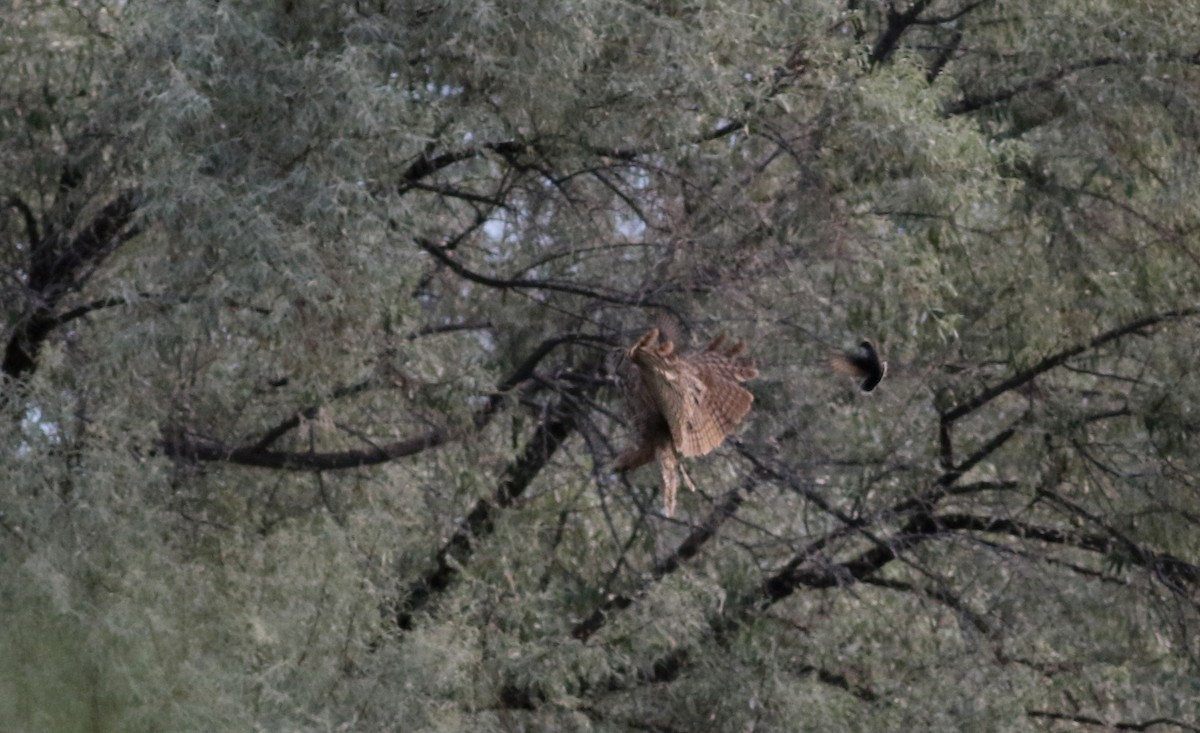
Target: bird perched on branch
861,363
682,404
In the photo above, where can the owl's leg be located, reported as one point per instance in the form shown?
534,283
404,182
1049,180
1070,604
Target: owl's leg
686,478
668,461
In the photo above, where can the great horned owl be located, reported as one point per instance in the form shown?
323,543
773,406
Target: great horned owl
682,404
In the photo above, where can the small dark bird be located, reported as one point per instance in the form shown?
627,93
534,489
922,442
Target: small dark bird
861,363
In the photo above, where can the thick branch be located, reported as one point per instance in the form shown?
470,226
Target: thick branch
57,267
480,522
897,24
194,448
425,167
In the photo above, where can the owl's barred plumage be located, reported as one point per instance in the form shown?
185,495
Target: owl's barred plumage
683,405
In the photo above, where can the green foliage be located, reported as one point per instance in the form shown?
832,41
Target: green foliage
312,316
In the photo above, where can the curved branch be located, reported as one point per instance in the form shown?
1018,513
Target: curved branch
103,304
1175,572
1168,567
781,585
951,17
445,257
941,595
1054,360
970,104
974,104
1124,725
195,448
511,150
179,444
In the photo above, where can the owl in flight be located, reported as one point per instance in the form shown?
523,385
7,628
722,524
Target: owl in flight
682,404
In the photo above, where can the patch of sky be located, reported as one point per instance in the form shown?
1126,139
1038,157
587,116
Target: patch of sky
32,421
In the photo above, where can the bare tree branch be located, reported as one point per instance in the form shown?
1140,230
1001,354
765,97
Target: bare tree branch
1176,573
897,24
446,258
480,521
1089,720
1057,359
970,104
56,267
179,443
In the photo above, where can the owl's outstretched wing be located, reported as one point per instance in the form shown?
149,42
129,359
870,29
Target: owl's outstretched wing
698,395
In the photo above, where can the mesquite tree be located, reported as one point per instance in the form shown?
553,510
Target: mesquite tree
313,329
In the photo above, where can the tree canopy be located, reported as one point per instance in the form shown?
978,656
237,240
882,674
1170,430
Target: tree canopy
313,316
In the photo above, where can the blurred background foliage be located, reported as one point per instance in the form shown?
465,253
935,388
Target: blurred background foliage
310,317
